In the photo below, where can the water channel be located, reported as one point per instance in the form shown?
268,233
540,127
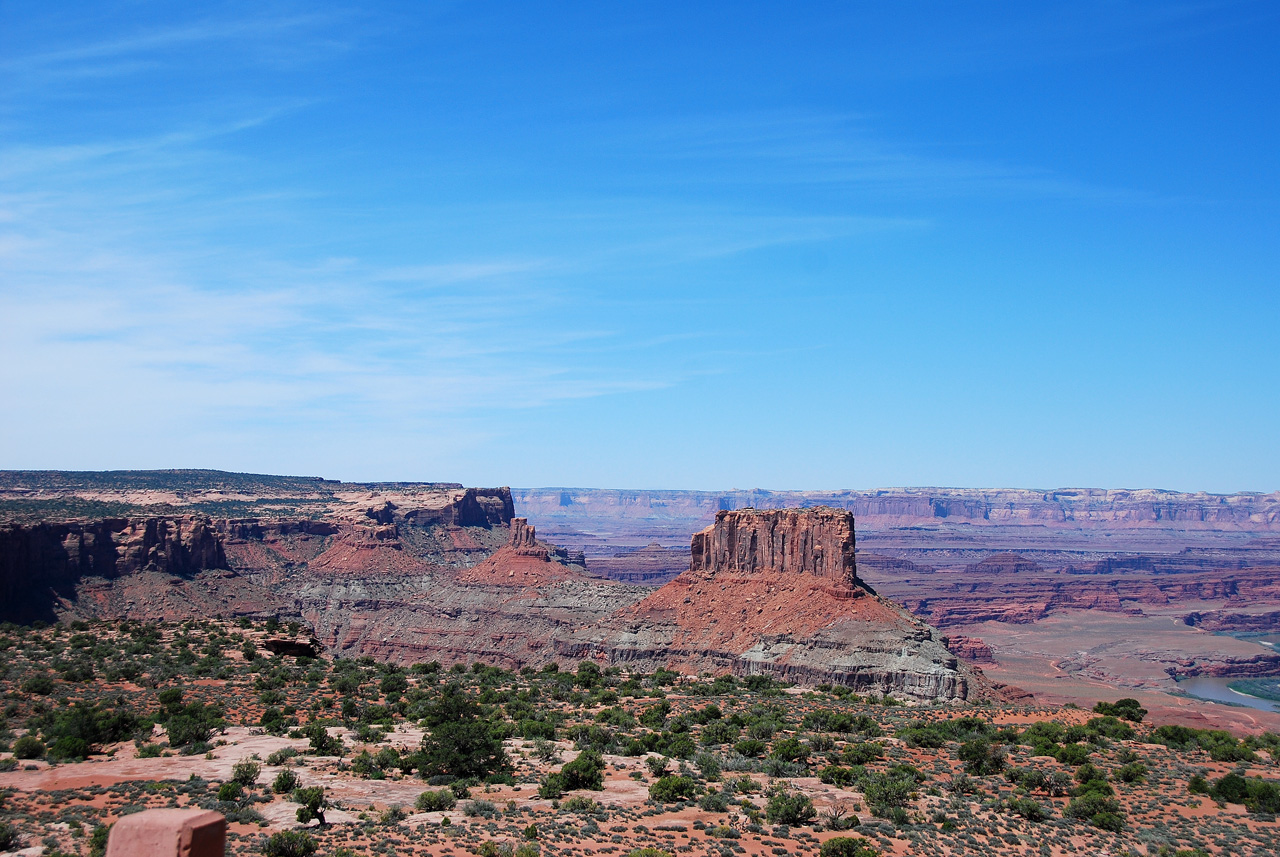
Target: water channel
1214,688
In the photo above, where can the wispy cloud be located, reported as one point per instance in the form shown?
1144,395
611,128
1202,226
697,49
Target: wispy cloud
823,149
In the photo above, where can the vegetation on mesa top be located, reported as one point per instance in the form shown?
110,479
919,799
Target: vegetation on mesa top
704,741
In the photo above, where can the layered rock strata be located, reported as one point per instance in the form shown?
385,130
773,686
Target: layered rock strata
403,572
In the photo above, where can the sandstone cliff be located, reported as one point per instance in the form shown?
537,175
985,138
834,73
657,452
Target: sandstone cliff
404,572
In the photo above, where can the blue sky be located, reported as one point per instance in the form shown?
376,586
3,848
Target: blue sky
645,245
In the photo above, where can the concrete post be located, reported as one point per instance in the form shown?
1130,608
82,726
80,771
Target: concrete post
169,833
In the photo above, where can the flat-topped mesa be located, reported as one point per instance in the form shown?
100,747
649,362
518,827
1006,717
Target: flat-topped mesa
817,541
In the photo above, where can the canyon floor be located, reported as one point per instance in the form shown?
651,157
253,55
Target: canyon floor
200,714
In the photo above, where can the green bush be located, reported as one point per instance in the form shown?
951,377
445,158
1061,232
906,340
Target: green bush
862,753
1256,794
1125,709
788,807
1098,809
279,757
39,685
230,791
584,772
847,846
28,747
245,772
289,843
981,757
461,742
671,789
313,803
76,731
790,749
1028,808
285,782
436,801
8,836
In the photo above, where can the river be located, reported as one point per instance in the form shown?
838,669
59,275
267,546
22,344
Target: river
1214,689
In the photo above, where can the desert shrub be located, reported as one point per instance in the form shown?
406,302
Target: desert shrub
789,807
191,724
76,731
1097,809
862,753
530,728
671,789
826,720
312,803
581,804
837,776
790,749
584,772
246,771
552,787
461,741
934,735
1221,746
708,765
279,757
97,840
847,846
479,809
1133,772
1256,794
720,732
1109,727
285,782
649,852
230,791
981,757
655,716
890,790
618,717
289,843
1028,808
714,801
8,836
28,747
1126,709
436,801
750,747
1072,754
39,685
322,743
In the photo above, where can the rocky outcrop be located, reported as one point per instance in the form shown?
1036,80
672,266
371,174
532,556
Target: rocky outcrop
42,562
775,592
1220,621
524,541
818,542
971,649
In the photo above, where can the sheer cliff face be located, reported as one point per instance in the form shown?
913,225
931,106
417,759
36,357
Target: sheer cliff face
819,542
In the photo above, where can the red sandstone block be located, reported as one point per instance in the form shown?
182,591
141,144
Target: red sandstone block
169,833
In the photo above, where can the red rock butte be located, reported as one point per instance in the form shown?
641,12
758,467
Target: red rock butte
818,541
